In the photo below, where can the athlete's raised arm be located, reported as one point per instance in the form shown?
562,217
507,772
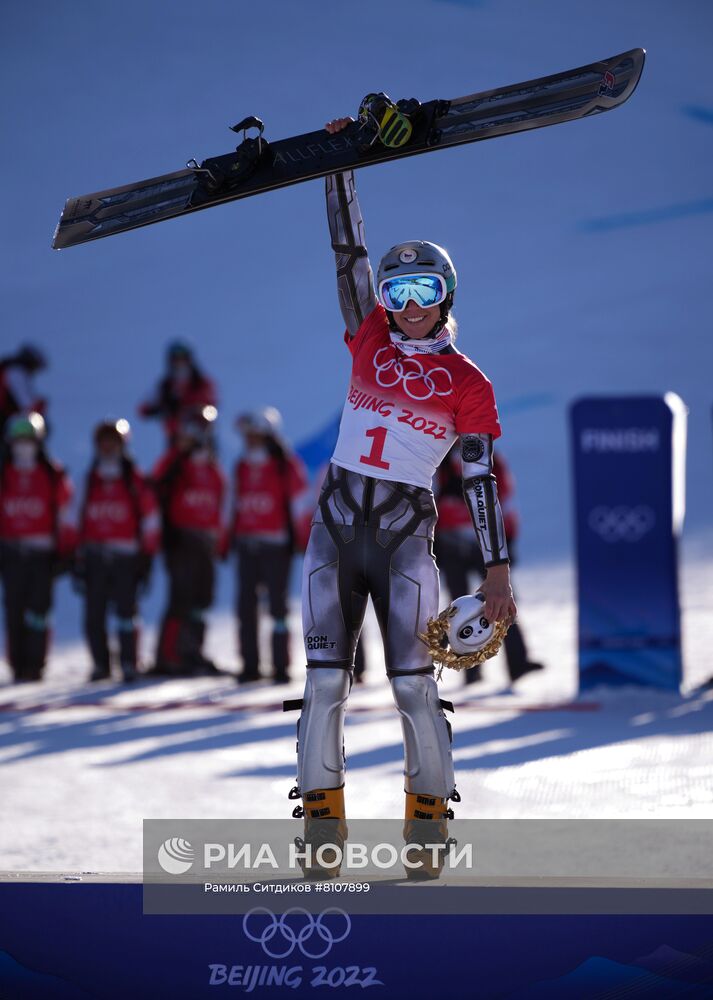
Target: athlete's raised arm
480,490
355,282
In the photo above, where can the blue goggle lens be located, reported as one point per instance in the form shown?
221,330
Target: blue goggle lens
426,290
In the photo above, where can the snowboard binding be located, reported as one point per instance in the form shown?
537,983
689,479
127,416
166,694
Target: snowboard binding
382,120
221,174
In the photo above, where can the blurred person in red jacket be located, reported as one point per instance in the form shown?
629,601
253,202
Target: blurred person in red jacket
119,534
37,538
458,555
182,391
268,482
191,488
17,383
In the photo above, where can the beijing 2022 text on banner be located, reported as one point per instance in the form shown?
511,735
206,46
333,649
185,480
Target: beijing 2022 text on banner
629,467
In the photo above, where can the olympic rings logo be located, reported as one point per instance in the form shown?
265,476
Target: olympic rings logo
621,524
417,383
295,937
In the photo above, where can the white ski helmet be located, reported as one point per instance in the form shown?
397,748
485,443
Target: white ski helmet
268,421
419,257
469,630
414,257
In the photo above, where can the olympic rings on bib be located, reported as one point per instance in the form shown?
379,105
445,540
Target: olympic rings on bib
418,384
296,937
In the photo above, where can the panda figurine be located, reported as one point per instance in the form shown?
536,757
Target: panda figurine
469,630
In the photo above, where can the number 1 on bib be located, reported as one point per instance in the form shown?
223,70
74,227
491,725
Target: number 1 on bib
377,448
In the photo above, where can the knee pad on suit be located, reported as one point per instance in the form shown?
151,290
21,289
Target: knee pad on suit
427,737
320,730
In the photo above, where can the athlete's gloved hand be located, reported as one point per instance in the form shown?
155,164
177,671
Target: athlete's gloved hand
499,601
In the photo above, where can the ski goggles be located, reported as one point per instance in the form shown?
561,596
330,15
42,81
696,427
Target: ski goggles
426,290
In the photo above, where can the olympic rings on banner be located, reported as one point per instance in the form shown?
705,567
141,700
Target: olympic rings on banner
295,936
621,524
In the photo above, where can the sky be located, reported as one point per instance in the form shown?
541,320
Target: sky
583,251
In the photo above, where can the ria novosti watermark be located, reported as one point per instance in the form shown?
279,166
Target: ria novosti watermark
230,865
177,856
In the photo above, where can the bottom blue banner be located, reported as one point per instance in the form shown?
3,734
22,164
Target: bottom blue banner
62,940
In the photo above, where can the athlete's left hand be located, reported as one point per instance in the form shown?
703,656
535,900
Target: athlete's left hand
499,601
337,124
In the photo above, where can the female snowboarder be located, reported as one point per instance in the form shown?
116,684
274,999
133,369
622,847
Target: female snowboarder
411,395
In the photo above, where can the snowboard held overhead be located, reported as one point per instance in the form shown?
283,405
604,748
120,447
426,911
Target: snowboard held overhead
385,130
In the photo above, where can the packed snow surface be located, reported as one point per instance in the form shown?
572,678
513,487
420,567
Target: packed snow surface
83,765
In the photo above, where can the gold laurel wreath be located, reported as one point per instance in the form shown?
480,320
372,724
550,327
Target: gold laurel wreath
436,639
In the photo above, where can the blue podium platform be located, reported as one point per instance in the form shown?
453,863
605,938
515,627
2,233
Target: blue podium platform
69,937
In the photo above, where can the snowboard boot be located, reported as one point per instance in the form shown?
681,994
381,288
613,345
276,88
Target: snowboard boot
325,827
426,823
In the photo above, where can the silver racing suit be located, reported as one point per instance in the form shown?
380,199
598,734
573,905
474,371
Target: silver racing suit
373,538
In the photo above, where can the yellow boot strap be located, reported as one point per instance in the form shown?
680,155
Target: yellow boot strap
419,806
324,802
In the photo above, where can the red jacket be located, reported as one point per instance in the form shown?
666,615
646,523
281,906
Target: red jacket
173,400
192,493
122,510
264,493
453,514
36,506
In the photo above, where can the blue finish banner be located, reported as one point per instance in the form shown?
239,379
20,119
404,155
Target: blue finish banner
629,455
